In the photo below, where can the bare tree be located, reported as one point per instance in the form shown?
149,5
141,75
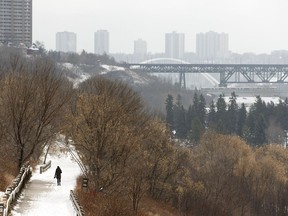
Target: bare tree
105,125
32,97
125,150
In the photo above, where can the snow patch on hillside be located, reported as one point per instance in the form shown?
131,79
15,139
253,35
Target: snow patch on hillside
137,78
81,78
76,75
68,66
126,75
112,68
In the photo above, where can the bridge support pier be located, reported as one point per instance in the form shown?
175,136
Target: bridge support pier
222,80
222,85
182,80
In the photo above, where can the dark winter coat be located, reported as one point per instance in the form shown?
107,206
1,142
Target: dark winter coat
58,173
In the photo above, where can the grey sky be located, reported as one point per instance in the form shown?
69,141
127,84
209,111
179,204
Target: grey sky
258,26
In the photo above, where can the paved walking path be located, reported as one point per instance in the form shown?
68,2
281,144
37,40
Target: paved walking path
42,196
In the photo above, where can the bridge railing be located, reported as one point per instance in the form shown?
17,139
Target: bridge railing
77,207
13,191
45,167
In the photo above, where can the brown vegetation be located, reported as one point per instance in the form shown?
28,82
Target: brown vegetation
226,177
133,165
234,179
33,94
130,155
125,151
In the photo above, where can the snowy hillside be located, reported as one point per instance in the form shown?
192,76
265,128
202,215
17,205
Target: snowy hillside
74,73
130,77
79,73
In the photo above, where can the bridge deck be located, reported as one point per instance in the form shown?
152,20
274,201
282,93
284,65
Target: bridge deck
229,73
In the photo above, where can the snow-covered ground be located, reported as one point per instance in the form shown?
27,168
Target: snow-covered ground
42,196
112,68
248,101
78,75
81,78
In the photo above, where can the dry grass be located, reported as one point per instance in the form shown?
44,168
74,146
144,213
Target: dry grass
97,203
5,181
100,204
150,207
8,171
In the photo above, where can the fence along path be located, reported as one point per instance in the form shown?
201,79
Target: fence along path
42,196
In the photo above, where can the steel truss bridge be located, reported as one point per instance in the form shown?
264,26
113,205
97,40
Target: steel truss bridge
229,73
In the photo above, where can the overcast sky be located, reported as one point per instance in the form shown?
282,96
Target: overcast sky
258,26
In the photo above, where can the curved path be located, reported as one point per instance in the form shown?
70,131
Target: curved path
42,196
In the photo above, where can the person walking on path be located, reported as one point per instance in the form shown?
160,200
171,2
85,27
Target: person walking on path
57,175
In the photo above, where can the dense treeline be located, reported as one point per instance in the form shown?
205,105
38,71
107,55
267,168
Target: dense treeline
129,155
229,177
261,124
126,152
84,58
123,149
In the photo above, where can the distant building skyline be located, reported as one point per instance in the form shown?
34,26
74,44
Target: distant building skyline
101,42
174,45
140,47
66,41
212,45
209,45
16,22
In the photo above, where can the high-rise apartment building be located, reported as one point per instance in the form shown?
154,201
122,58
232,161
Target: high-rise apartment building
140,47
212,45
174,45
101,42
16,22
66,41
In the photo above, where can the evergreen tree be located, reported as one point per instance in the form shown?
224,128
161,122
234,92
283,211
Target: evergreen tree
180,119
259,106
256,123
169,112
270,111
285,115
282,113
259,131
197,118
189,117
198,109
221,115
232,114
242,115
195,100
192,111
197,131
212,116
202,110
